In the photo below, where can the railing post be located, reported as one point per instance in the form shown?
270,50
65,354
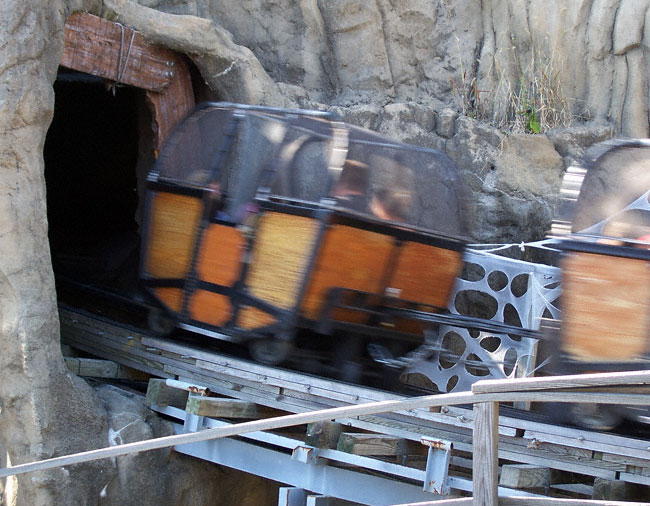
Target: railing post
485,458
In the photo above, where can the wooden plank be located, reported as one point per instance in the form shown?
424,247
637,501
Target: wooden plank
560,382
616,490
173,104
378,445
571,490
485,467
160,394
93,45
214,407
524,476
323,434
99,368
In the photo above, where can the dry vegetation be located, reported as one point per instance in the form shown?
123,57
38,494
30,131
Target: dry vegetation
517,95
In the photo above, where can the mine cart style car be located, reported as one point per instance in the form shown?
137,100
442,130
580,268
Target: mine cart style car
262,223
606,271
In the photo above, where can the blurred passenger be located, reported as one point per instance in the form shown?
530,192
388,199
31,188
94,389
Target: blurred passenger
392,204
218,201
350,190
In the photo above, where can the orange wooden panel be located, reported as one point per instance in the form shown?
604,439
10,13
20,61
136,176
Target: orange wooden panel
605,306
425,273
174,221
282,250
171,297
221,255
349,258
211,308
251,318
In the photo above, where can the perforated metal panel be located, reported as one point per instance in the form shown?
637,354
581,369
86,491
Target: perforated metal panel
502,289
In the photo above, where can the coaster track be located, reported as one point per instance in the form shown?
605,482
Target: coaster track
527,440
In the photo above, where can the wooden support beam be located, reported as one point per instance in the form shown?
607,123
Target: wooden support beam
102,48
99,368
160,394
323,434
215,407
615,490
110,50
485,460
378,444
571,490
525,476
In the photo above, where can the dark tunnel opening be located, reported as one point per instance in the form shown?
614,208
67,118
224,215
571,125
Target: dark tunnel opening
91,158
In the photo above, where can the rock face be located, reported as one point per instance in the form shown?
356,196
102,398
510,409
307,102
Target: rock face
44,410
347,51
164,477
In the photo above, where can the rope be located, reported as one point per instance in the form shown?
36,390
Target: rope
121,65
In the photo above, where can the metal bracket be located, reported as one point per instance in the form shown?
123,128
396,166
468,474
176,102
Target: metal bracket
436,473
306,455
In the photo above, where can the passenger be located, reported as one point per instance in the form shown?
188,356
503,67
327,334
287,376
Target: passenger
218,202
350,190
393,204
645,239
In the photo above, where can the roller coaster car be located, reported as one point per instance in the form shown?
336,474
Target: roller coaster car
264,223
606,275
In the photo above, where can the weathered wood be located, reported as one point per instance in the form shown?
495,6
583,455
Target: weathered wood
378,444
160,394
173,104
616,490
571,490
99,368
323,434
560,382
92,367
524,476
485,467
214,407
102,48
111,50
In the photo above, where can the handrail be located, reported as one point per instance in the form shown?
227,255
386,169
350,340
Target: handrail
485,396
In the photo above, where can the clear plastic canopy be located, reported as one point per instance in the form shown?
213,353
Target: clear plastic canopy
308,156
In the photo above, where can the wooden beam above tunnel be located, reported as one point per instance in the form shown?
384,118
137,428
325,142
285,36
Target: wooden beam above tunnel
114,52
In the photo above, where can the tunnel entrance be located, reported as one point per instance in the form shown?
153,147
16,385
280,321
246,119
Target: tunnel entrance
91,154
117,98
